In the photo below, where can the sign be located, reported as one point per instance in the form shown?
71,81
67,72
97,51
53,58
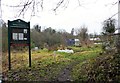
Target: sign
18,35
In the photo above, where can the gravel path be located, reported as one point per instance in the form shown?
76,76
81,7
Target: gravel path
64,75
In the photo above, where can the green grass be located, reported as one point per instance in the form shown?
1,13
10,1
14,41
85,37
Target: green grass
86,57
46,66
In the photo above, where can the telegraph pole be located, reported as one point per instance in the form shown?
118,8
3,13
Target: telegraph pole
118,37
118,16
0,10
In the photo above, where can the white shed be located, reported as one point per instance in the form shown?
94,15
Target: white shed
77,42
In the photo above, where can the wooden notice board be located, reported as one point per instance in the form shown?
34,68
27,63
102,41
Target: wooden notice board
18,35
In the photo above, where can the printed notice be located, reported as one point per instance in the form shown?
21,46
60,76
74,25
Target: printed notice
20,36
15,36
25,38
25,30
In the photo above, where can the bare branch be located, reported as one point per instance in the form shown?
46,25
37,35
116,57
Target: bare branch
79,2
34,6
114,3
25,7
58,5
33,9
42,4
65,4
114,14
30,4
20,4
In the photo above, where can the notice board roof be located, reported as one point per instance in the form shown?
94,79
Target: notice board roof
18,24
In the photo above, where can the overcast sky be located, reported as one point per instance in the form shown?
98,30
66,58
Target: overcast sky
91,13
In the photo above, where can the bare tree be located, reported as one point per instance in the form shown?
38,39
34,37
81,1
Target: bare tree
82,34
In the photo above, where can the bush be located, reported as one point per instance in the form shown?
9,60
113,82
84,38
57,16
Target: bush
105,69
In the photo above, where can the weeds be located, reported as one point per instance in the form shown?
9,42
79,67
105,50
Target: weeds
46,66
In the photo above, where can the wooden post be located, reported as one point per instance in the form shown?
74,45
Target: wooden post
9,56
29,46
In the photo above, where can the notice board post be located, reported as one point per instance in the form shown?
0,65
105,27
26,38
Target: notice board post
9,37
29,46
18,35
